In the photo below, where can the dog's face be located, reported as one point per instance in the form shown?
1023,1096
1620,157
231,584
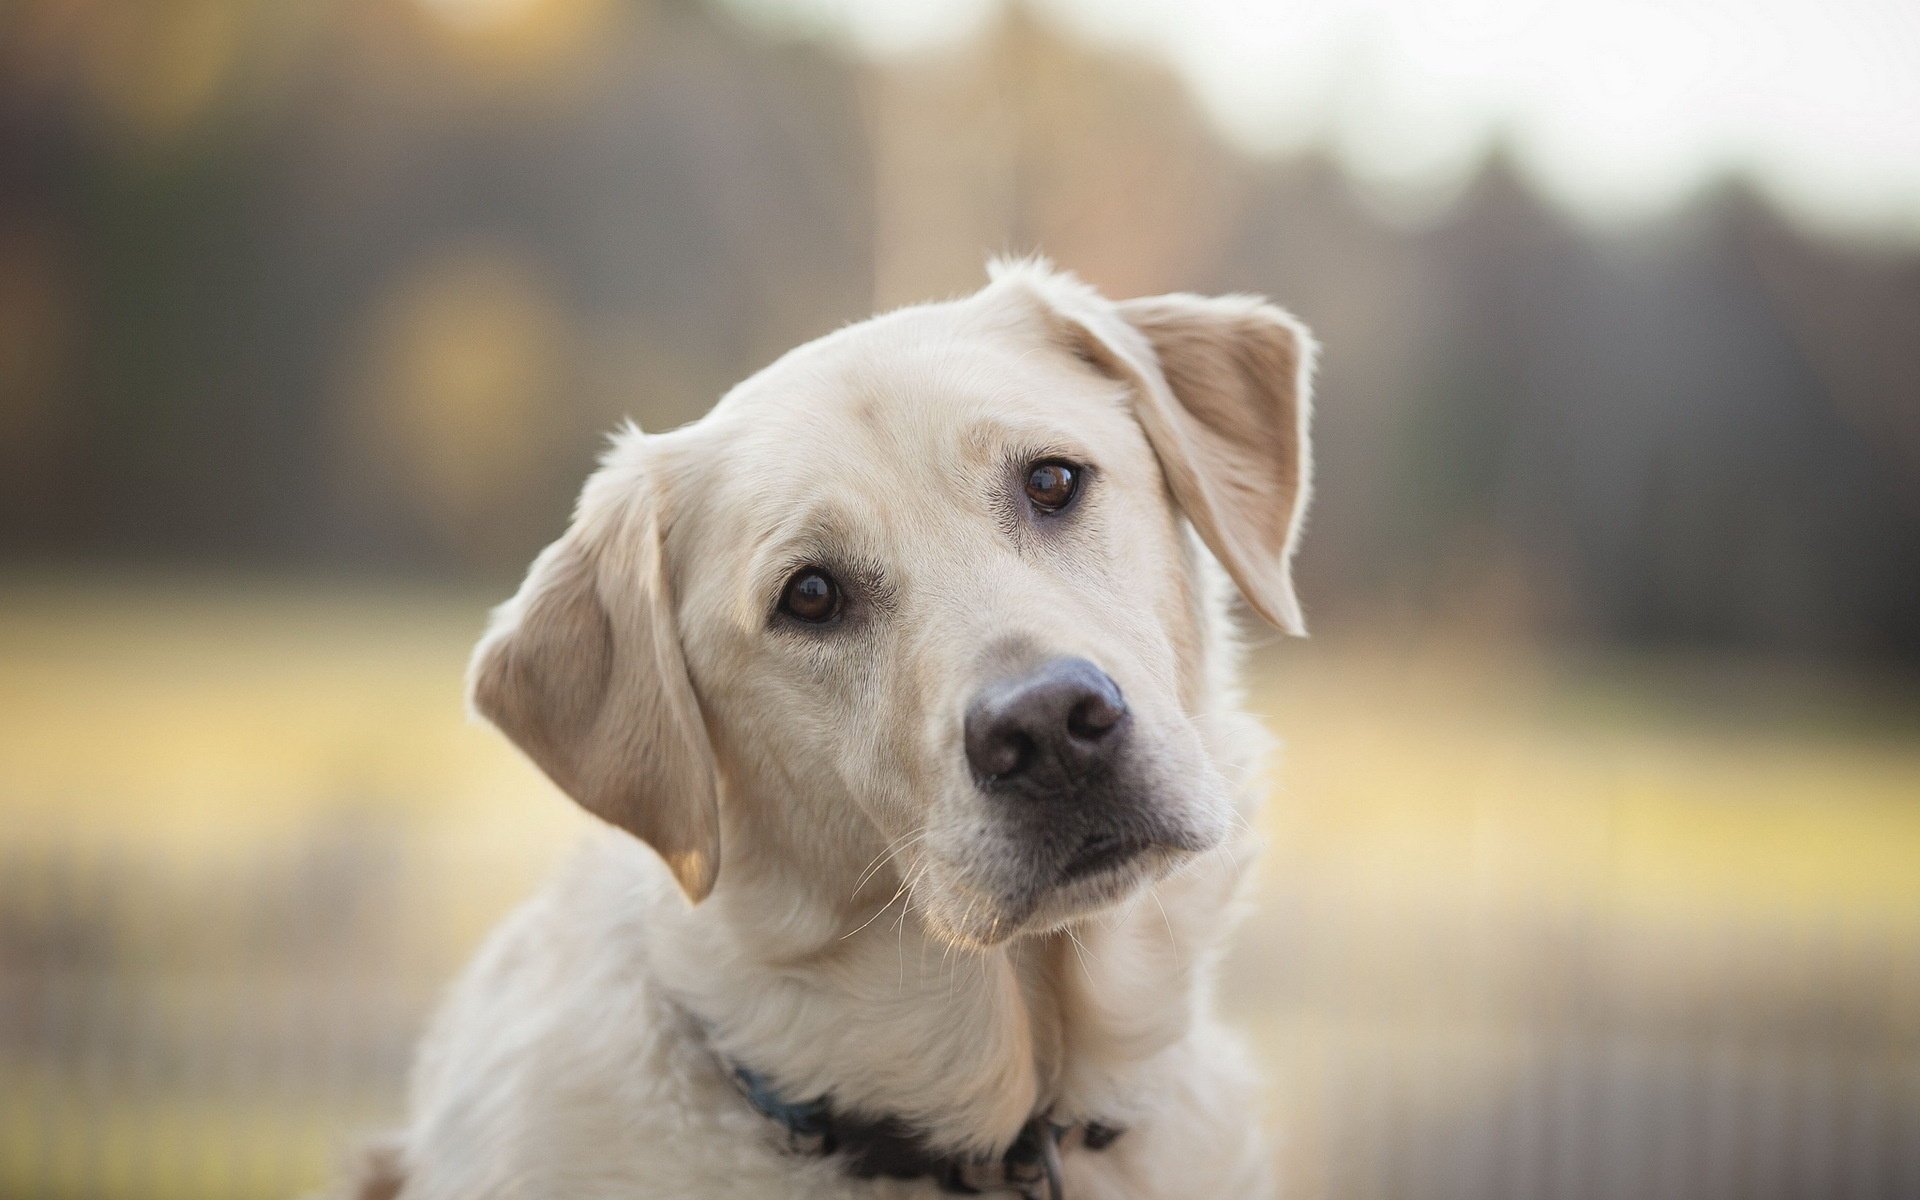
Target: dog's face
923,592
931,574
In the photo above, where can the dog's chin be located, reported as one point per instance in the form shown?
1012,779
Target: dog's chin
1099,887
1084,888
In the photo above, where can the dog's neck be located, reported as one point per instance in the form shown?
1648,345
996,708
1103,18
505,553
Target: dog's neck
866,1005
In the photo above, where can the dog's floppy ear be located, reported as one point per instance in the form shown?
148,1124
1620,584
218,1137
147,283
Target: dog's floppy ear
1223,390
583,671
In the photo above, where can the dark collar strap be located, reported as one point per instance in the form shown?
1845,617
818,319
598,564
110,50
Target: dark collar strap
889,1147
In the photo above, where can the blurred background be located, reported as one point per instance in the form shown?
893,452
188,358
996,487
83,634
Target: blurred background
1594,857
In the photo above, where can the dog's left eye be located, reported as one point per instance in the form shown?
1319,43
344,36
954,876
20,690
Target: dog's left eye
1051,485
811,595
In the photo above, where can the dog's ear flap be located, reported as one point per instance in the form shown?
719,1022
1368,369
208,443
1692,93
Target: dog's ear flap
583,671
1223,390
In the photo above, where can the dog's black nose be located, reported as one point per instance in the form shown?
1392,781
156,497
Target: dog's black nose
1050,727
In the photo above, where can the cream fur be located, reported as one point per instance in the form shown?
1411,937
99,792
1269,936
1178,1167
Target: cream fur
806,791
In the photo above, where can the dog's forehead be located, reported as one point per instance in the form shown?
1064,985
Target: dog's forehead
924,390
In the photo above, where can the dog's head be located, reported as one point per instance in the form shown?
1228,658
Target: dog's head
923,591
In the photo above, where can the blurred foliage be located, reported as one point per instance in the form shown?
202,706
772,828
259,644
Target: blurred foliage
357,284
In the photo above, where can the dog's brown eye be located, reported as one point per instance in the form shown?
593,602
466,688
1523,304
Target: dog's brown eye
811,595
1051,485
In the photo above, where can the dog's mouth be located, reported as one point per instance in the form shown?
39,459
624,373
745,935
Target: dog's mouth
1103,852
1046,869
1104,869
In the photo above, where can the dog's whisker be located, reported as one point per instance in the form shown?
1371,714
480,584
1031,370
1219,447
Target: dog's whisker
899,929
1080,952
912,880
1173,941
946,956
887,855
900,942
1240,819
1202,860
898,892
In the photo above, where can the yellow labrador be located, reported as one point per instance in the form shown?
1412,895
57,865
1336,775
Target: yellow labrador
905,684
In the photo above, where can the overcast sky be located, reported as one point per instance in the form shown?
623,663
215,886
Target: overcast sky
1620,109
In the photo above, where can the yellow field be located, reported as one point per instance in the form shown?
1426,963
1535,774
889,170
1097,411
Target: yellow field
211,716
1465,841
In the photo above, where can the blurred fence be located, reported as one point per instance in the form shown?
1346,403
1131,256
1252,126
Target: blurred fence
1528,927
170,1030
1451,1084
227,1031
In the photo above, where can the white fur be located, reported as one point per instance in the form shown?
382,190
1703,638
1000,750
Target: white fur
579,1057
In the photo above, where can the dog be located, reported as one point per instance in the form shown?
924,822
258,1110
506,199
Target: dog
904,685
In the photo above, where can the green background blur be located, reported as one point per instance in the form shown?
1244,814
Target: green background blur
1593,861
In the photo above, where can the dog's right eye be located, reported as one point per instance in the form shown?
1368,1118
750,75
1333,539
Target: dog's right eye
811,595
1052,485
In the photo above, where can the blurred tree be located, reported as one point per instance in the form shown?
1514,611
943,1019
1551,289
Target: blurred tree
358,285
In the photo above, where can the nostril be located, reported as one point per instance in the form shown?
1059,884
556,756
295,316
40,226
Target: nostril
1046,729
1095,716
1003,755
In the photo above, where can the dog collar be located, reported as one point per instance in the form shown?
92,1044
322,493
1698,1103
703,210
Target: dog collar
891,1148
